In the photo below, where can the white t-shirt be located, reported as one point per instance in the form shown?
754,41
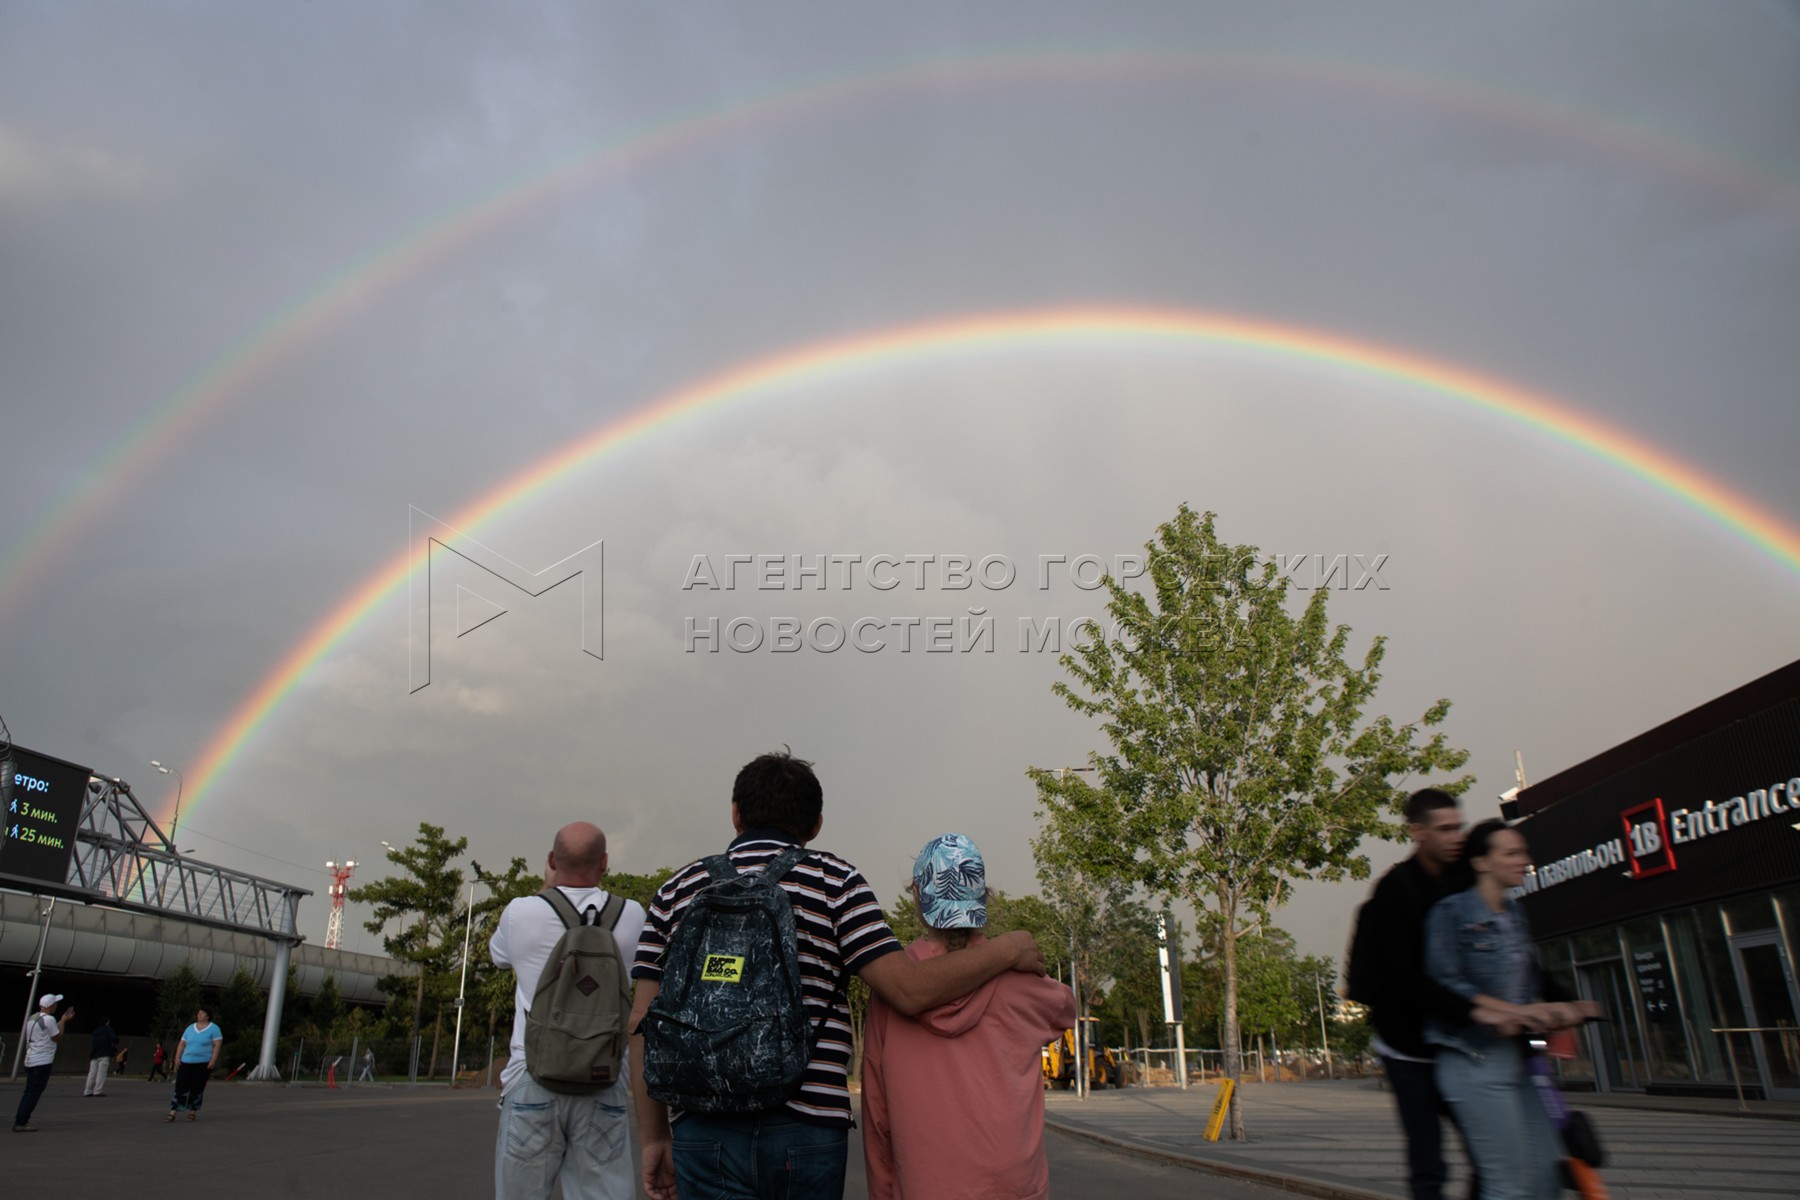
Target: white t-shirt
40,1039
529,930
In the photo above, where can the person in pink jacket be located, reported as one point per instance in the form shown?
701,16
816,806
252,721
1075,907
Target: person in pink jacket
953,1099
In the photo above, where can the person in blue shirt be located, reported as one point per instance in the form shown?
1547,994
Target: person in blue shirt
195,1058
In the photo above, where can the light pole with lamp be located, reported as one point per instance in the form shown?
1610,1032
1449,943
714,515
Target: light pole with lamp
179,784
1319,988
463,984
1082,1082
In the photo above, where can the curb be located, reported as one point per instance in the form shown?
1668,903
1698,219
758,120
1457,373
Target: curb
1304,1185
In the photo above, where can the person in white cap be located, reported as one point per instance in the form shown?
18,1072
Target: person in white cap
42,1032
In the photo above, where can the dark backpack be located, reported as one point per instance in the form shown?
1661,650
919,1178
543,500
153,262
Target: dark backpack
575,1030
727,1032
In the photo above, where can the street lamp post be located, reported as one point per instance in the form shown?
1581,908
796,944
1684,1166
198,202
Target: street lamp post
179,784
463,984
1325,1042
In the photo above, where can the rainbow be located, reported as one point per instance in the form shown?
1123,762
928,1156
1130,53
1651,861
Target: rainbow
122,465
1017,332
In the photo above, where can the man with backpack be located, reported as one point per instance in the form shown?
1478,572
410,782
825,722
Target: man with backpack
740,1028
562,1095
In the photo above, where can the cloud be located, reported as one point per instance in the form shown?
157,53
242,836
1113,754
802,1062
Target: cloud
35,172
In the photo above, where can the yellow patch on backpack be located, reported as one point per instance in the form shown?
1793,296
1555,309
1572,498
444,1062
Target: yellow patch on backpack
723,968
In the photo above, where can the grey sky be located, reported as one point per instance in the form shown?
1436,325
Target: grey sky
174,177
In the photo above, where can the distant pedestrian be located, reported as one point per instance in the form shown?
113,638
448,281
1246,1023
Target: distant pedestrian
103,1044
120,1059
158,1063
368,1067
195,1057
1478,945
42,1032
1387,973
953,1099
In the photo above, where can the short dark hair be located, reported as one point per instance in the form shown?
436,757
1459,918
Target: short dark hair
780,791
1424,802
1481,838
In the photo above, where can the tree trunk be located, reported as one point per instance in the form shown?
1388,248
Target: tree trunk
437,1032
1233,1058
419,1002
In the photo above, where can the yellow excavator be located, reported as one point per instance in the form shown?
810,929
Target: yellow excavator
1103,1069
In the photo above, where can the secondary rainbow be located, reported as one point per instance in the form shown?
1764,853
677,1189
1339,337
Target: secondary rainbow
1014,333
116,471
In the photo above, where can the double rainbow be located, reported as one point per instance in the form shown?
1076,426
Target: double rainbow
1015,333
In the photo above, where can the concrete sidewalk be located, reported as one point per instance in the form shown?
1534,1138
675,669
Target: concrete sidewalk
1342,1139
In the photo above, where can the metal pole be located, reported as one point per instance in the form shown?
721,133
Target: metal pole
1323,1040
265,1060
462,985
37,971
350,1076
1181,1057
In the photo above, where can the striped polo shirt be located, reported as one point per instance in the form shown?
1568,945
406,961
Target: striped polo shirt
841,929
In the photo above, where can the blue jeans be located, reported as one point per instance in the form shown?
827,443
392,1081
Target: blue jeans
546,1137
771,1155
1422,1114
36,1080
1502,1119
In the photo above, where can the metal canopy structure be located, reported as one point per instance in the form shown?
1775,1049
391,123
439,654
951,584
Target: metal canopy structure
122,858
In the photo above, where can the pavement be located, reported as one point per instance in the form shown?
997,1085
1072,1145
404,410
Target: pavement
381,1142
1340,1139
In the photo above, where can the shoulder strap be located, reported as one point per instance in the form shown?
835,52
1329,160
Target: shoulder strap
719,866
615,908
781,864
554,897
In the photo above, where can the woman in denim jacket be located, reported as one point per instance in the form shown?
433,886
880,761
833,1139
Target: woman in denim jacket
1478,945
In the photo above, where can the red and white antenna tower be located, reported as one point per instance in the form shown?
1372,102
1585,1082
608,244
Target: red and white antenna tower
340,875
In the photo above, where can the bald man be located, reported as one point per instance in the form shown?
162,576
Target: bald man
545,1136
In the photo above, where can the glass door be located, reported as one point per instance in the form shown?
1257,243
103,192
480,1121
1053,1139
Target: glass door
1766,979
1618,1054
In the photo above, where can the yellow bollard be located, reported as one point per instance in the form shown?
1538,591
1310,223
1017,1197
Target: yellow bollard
1221,1106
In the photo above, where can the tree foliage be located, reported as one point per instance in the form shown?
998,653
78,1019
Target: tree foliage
426,902
176,999
1240,756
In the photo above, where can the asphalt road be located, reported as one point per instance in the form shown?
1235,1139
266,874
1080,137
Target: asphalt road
382,1143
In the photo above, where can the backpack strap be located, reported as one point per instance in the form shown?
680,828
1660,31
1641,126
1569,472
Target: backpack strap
781,864
719,867
565,909
615,908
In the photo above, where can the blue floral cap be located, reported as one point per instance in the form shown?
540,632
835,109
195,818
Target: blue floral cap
952,883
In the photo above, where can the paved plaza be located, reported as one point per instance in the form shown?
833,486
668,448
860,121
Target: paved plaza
1344,1135
384,1143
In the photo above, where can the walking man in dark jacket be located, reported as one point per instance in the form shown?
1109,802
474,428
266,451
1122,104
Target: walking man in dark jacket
102,1045
1387,973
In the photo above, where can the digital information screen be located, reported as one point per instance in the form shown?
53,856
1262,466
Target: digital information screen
43,809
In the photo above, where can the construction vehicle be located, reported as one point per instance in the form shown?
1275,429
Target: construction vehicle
1103,1070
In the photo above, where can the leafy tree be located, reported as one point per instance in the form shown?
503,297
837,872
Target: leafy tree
241,1011
426,901
641,888
176,999
327,1011
1241,759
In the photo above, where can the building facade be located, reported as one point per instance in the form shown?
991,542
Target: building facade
1667,887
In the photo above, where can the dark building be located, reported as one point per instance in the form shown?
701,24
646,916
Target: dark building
1667,888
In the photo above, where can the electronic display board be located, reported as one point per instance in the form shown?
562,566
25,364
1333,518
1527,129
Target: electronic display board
43,801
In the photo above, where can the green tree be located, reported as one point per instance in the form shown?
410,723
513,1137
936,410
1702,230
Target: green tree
641,888
326,1012
241,1011
426,901
176,999
1240,757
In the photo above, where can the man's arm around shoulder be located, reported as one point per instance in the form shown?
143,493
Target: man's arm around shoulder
911,986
